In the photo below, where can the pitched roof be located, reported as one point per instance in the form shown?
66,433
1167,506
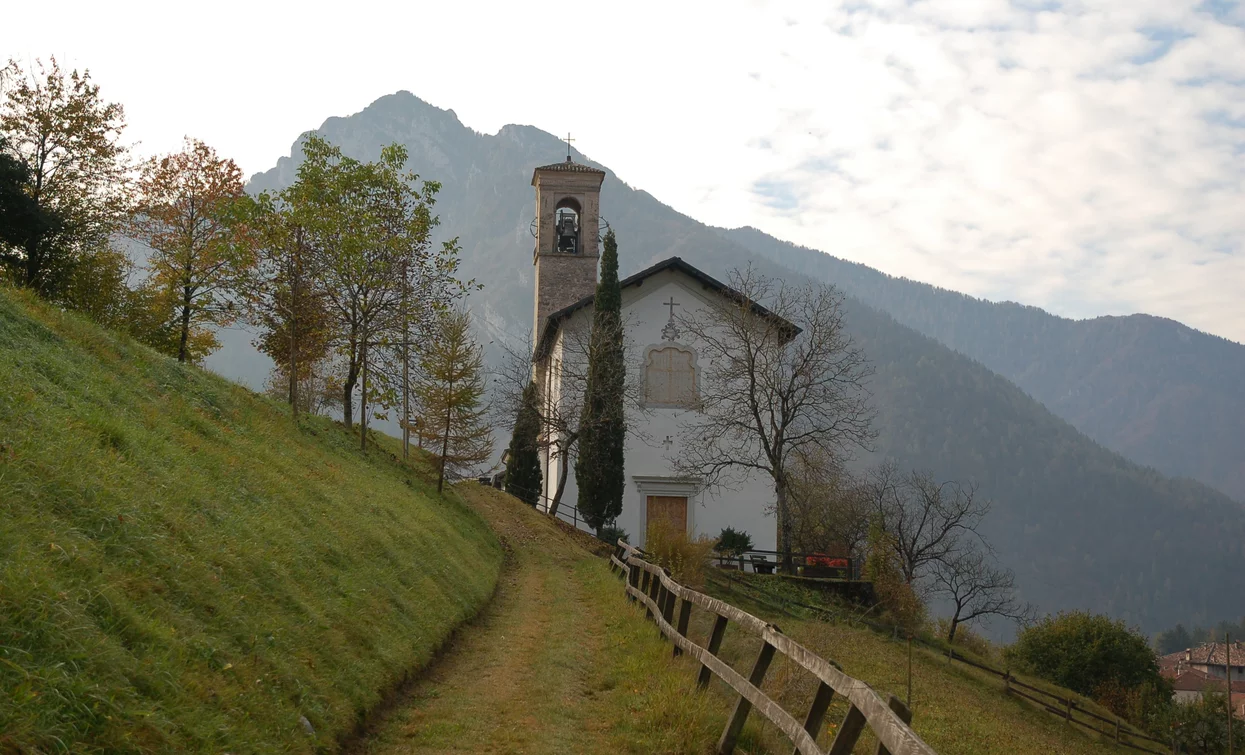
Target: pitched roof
568,166
550,329
1193,680
1216,654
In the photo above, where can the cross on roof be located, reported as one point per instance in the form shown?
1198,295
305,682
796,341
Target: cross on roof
568,141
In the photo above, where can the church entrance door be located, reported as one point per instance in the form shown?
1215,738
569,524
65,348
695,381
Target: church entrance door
668,509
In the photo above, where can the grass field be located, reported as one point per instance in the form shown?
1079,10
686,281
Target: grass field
184,569
956,709
561,662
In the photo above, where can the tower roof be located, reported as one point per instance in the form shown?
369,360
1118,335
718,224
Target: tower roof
567,166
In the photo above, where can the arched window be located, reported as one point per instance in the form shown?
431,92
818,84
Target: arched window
566,227
670,377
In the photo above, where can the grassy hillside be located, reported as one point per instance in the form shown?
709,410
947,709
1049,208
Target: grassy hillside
956,709
183,569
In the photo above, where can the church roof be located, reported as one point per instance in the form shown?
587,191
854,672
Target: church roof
550,330
568,166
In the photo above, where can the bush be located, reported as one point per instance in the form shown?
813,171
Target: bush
685,557
732,542
1201,726
612,534
898,600
1086,653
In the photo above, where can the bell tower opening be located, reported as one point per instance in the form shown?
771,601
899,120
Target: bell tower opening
568,203
566,227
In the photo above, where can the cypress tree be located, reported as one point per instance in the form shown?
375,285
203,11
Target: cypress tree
523,477
602,425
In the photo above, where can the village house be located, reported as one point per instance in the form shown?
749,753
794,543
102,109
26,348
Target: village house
665,372
1194,670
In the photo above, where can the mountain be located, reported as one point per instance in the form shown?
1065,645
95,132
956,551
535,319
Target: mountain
1156,391
1082,526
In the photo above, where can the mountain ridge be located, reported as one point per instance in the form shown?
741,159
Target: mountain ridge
939,407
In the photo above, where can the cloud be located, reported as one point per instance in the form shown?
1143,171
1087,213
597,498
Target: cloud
1086,157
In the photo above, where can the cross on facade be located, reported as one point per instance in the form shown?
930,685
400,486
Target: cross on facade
672,304
568,141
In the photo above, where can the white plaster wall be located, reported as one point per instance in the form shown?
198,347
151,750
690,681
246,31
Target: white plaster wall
743,505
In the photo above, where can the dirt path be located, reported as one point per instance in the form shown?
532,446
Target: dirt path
558,663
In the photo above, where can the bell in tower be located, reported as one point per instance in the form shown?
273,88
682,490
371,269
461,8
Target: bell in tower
568,202
567,225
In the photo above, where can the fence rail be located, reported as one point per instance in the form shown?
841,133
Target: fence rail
1117,729
653,587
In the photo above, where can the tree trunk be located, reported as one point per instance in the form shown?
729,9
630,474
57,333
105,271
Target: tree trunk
445,442
955,624
293,366
566,467
185,337
352,376
784,527
363,399
406,366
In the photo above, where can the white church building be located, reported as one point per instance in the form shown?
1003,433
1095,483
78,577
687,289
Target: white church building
664,374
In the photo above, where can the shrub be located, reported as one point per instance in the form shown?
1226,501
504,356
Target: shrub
1084,652
898,600
732,542
612,534
685,557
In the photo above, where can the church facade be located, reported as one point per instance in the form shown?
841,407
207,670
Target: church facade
663,371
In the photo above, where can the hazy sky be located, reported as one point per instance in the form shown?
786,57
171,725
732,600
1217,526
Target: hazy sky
1088,158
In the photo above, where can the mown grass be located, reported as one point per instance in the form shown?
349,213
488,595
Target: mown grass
184,569
560,662
956,709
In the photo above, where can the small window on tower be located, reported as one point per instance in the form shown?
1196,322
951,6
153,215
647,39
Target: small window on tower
566,227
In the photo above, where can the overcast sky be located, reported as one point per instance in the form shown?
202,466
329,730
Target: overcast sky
1088,158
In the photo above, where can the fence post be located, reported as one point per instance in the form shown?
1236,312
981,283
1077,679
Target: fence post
1007,680
1117,730
1070,704
849,731
726,745
648,612
904,714
685,615
817,712
667,608
633,577
715,643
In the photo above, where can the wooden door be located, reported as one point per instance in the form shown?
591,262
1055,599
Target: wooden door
671,509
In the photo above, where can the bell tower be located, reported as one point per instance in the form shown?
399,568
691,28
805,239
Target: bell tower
568,206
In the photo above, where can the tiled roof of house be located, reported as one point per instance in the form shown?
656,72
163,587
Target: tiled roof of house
1193,680
1216,653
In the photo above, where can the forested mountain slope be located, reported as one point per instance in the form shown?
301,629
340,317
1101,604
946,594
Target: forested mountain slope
1157,391
1082,526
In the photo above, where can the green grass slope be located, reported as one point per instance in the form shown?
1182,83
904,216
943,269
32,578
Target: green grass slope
956,709
183,569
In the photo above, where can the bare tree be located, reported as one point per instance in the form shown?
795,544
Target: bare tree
829,506
559,414
780,380
976,588
930,522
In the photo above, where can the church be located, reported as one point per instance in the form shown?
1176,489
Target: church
664,371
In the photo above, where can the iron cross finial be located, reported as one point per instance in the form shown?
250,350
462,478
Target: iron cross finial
568,141
672,304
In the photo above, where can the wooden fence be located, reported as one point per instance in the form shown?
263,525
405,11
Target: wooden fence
1068,709
653,587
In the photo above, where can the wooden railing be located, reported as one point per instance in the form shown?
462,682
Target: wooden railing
1123,733
653,587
